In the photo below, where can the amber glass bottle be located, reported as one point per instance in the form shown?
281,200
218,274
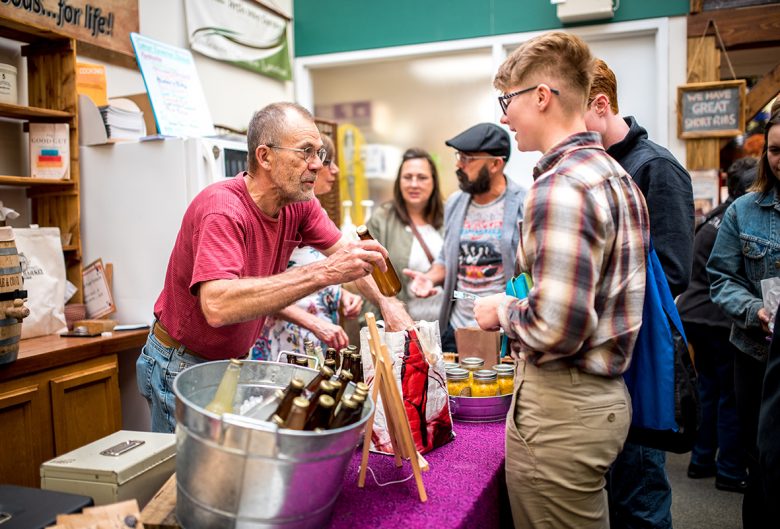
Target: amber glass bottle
298,413
345,378
226,391
323,411
324,374
294,389
348,413
388,282
345,360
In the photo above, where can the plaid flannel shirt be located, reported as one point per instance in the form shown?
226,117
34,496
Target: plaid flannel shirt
584,241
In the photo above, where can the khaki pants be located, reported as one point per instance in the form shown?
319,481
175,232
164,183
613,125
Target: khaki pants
564,430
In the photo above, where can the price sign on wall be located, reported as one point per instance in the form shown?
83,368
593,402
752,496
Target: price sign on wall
706,110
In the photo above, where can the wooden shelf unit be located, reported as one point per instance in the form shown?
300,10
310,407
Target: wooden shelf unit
52,97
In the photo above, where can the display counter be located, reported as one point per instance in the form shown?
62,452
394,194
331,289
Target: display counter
465,486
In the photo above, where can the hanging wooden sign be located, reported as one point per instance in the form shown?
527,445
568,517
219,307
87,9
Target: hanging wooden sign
711,110
105,24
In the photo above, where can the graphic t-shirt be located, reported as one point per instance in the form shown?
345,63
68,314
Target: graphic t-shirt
480,269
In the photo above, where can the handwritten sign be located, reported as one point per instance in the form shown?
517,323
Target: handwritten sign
174,88
103,23
707,110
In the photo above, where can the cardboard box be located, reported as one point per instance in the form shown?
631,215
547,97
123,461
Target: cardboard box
478,343
143,461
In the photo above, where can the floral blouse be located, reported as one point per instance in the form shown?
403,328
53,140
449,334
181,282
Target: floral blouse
280,335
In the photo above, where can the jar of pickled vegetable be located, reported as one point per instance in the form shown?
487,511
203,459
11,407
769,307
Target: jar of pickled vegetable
485,383
506,378
458,384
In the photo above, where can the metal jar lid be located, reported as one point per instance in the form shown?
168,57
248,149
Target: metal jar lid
451,365
485,375
504,370
457,374
472,361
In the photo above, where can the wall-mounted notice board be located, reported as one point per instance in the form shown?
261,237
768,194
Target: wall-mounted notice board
707,110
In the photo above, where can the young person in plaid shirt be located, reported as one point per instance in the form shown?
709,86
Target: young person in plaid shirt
584,242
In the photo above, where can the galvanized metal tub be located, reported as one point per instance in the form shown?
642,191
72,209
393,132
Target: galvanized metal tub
480,409
234,472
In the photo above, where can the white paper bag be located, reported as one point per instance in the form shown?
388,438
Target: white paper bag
43,272
426,401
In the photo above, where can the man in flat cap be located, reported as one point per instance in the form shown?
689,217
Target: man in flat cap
481,229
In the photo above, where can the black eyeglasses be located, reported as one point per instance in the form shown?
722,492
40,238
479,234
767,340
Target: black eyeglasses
308,153
503,100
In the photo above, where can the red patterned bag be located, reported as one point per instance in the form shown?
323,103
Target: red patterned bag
418,369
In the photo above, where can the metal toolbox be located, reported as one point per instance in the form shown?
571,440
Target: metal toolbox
122,466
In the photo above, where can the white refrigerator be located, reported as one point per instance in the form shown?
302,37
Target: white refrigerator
133,198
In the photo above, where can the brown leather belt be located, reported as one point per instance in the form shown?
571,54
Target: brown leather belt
169,341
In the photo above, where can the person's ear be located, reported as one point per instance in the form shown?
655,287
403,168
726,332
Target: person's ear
601,105
543,96
262,156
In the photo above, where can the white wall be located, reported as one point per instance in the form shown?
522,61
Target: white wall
648,57
232,93
417,102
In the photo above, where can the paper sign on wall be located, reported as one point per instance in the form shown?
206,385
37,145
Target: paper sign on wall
174,88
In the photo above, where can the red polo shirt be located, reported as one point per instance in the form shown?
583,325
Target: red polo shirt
224,235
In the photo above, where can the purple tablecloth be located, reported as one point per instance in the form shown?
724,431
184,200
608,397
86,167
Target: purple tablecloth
465,486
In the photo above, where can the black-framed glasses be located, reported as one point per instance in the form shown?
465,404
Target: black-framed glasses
466,159
308,153
504,100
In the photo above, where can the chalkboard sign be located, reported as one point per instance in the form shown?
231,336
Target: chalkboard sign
706,110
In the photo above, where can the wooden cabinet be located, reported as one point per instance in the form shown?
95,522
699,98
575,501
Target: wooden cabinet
51,81
54,411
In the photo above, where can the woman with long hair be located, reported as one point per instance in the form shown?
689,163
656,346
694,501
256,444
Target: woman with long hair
747,251
411,226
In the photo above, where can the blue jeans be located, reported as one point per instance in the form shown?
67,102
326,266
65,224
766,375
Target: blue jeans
719,440
155,370
639,492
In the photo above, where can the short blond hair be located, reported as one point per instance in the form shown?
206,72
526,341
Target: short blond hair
555,57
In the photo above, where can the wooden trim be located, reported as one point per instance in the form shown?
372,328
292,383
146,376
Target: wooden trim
47,352
720,133
27,181
32,113
740,27
762,92
104,372
696,6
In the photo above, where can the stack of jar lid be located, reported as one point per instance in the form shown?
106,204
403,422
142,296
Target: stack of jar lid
471,379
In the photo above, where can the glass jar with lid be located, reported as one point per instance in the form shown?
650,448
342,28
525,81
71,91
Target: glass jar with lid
471,364
485,383
458,384
451,365
506,378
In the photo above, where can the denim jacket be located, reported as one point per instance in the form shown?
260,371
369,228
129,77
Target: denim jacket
746,251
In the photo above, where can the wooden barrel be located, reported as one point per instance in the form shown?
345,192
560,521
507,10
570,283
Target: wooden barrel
11,295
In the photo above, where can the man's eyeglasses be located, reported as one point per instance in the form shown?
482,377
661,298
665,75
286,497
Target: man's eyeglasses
308,153
466,159
504,100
